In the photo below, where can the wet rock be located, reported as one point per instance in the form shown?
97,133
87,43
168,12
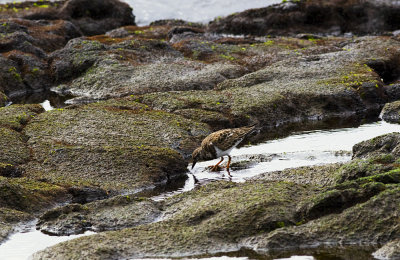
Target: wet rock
211,218
22,199
390,250
24,44
321,17
385,146
309,87
117,144
390,112
111,214
9,219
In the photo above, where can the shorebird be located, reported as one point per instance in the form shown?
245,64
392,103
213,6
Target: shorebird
220,143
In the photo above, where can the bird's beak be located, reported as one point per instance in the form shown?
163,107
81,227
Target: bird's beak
193,164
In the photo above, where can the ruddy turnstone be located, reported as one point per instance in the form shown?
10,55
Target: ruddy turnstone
220,143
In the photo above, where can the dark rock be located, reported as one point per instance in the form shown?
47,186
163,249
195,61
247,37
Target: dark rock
391,112
384,145
317,16
97,17
91,17
111,214
393,91
24,43
84,195
9,170
182,29
175,22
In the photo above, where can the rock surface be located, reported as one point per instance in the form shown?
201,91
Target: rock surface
115,145
318,16
111,214
391,111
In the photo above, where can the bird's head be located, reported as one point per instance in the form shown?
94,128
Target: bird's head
196,156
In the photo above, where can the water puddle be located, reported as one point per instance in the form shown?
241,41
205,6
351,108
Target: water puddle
299,149
27,240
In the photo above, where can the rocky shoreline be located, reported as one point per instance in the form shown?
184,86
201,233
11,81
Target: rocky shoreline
145,97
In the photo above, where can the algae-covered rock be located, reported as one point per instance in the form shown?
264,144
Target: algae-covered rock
110,214
334,84
116,144
24,44
391,112
17,116
384,146
13,147
372,222
21,199
3,99
113,67
212,218
30,196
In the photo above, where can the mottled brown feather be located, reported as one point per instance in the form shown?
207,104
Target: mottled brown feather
225,139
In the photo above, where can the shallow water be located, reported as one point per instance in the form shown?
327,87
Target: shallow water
305,148
28,240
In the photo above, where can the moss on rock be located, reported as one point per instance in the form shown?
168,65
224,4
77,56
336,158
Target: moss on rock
115,144
29,196
17,116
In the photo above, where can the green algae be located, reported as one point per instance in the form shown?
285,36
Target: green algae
119,144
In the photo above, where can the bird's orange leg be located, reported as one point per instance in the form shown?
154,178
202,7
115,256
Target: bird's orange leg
229,163
214,168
